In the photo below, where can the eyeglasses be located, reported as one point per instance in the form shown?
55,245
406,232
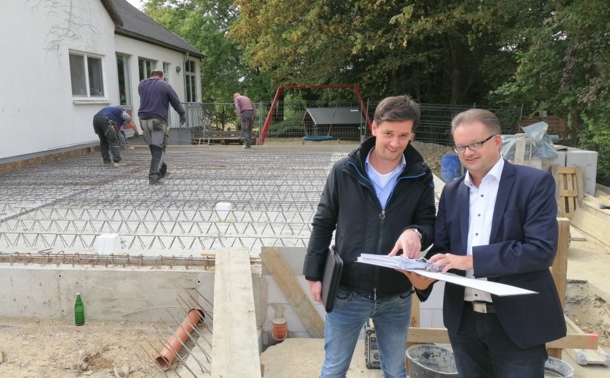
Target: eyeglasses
473,146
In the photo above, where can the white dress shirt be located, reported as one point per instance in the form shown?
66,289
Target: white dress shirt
481,212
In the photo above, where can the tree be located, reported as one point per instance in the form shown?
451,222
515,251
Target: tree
452,51
564,69
204,24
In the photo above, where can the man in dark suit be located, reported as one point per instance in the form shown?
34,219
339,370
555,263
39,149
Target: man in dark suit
497,222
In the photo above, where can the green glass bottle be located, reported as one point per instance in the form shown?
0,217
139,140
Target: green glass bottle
79,311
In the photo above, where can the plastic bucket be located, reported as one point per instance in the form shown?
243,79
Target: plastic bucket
430,361
555,367
451,168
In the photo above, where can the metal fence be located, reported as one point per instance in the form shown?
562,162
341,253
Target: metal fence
325,120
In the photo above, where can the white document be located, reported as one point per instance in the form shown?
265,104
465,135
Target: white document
422,267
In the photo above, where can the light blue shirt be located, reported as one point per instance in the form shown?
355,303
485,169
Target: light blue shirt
384,183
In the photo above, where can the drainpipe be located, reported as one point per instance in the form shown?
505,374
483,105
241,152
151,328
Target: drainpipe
174,344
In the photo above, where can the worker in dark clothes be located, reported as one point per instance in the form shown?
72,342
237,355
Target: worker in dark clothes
155,97
106,123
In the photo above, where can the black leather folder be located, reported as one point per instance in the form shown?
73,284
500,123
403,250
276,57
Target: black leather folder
332,275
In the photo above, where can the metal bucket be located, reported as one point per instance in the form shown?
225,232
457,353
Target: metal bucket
430,361
555,367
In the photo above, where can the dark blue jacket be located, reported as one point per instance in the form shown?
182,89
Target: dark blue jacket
155,97
522,247
117,114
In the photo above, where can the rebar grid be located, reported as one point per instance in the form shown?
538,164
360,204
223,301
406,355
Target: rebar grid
273,192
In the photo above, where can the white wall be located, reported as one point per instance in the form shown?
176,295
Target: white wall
137,49
36,103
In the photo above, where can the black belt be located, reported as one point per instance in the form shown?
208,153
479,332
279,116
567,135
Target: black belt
481,307
376,295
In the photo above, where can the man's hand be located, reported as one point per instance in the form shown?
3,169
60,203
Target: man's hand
182,120
418,281
451,262
315,287
410,244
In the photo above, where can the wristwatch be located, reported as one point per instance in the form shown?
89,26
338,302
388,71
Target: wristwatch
416,232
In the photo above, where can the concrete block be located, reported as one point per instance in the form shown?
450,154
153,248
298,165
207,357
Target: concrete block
587,161
108,244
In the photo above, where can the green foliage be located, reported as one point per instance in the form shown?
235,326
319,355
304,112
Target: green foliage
204,24
564,68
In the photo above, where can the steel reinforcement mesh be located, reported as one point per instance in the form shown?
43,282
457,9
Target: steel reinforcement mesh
215,197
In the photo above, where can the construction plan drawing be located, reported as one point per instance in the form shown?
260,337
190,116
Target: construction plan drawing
426,269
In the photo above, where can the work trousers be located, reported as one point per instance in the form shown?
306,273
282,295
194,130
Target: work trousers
104,128
156,134
247,121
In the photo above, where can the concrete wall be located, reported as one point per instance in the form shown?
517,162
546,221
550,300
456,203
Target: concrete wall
119,294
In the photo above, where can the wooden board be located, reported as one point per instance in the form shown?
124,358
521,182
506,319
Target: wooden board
235,350
595,356
292,290
440,336
592,224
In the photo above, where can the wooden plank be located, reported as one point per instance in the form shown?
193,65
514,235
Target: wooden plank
592,225
585,356
559,270
576,235
235,350
440,336
292,290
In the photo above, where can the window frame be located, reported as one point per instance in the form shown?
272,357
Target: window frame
190,80
90,76
125,72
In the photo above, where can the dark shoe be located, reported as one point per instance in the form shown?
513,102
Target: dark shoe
246,146
107,161
160,181
165,175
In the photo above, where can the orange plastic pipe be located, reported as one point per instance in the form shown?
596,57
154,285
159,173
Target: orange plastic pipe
168,354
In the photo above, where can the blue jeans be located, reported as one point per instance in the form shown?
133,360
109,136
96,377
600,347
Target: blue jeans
391,317
482,349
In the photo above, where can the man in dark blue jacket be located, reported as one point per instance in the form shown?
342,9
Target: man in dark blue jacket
498,223
155,97
106,124
380,199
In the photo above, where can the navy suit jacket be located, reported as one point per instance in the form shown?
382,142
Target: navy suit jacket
522,246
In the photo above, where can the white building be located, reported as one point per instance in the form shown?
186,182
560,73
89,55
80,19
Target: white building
63,60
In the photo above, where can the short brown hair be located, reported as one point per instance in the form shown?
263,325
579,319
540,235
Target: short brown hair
397,108
486,117
157,72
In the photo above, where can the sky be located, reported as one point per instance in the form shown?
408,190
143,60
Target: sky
135,3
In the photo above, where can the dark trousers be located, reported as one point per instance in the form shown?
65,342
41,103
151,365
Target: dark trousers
247,121
104,128
156,134
482,349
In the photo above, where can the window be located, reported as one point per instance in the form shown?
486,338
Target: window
166,71
190,78
122,62
145,67
86,75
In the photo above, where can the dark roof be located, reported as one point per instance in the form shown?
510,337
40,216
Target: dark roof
336,116
131,22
